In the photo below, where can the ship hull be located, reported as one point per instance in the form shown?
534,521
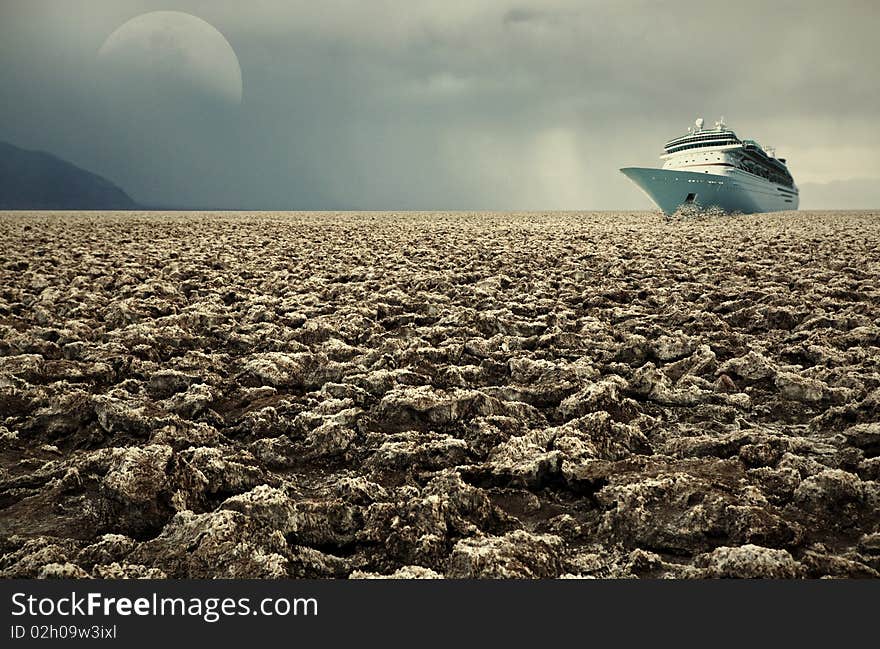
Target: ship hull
735,192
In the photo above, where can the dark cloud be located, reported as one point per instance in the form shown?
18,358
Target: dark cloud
854,194
498,105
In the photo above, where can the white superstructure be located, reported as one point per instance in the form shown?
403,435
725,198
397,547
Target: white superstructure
714,168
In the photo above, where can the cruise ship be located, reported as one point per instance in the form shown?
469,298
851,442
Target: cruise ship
713,168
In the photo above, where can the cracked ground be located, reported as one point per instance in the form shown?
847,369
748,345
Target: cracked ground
466,395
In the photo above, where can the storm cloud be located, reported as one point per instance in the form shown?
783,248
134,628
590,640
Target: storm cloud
438,105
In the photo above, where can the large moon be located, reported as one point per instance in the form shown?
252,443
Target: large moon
171,52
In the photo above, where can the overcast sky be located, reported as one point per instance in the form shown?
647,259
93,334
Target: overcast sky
440,104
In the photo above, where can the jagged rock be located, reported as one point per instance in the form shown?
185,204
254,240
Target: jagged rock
749,562
565,526
421,525
137,480
324,398
109,548
282,370
702,362
539,382
870,543
413,450
650,383
777,484
831,491
27,367
482,434
805,466
710,446
274,452
600,437
761,454
308,563
517,555
405,572
64,414
329,439
601,395
186,435
751,367
266,506
524,460
668,348
799,388
203,472
27,557
264,422
191,403
376,383
62,571
119,412
360,491
137,475
819,561
218,544
869,469
321,523
345,391
164,383
604,562
681,514
413,404
466,508
865,436
116,570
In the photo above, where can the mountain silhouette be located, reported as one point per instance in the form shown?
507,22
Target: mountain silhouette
33,180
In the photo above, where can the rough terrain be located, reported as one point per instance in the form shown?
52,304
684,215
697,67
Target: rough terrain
439,395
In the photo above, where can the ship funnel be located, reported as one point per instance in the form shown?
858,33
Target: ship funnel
699,123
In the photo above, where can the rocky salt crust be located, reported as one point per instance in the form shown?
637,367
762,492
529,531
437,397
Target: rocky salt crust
439,395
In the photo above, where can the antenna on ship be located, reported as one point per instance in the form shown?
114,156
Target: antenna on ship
720,124
699,124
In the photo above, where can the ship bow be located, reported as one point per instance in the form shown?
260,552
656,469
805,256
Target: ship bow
667,196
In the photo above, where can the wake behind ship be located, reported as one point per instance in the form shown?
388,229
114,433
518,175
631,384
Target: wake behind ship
712,168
